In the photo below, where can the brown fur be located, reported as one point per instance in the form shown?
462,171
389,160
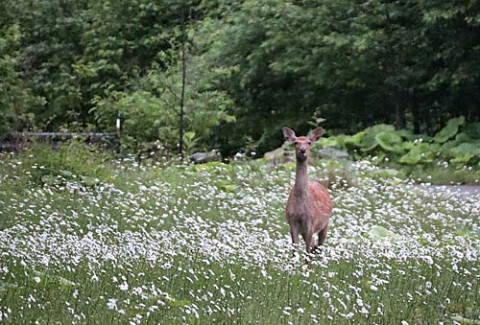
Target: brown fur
309,205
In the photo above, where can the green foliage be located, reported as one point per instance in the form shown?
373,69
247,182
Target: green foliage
190,142
450,130
420,152
205,108
15,97
472,130
263,64
144,119
465,152
151,114
376,136
441,173
352,63
390,141
381,137
74,162
451,144
73,52
51,33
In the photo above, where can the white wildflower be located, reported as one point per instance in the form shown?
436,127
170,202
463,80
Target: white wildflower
112,303
123,286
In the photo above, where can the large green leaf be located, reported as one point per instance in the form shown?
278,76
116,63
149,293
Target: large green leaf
420,153
353,141
390,141
462,137
330,142
370,141
407,134
450,130
464,152
447,146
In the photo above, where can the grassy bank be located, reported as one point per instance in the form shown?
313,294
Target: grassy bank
442,174
89,240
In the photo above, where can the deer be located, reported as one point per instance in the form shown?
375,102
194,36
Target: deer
309,205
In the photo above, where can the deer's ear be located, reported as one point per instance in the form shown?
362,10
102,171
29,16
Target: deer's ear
316,134
289,134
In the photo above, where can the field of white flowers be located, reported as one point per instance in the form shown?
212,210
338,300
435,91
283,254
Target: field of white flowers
209,244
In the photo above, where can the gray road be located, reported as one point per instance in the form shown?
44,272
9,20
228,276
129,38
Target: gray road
458,189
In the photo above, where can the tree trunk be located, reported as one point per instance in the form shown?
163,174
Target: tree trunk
416,116
399,116
184,85
182,99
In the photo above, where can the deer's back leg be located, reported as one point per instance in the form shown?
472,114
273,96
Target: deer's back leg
294,234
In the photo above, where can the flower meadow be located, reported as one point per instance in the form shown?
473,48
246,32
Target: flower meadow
209,244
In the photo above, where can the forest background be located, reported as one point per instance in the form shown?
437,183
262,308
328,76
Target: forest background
229,74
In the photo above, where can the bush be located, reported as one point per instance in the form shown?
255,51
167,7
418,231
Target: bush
457,144
41,164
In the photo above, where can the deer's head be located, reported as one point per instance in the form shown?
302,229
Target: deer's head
302,144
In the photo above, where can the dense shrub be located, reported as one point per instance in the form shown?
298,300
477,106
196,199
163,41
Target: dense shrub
457,143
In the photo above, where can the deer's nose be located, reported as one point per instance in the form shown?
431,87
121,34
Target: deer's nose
302,151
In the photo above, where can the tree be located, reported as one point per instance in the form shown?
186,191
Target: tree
353,63
453,30
175,99
269,63
15,98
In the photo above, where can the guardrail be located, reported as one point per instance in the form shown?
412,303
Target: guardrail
17,140
63,135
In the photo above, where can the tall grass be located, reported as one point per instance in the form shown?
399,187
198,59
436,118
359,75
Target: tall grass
209,244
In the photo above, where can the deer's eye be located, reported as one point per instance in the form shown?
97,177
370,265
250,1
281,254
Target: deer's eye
309,143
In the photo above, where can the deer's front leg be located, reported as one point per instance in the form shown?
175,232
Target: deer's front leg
310,241
294,234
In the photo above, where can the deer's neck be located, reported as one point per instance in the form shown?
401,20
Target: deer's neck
301,179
